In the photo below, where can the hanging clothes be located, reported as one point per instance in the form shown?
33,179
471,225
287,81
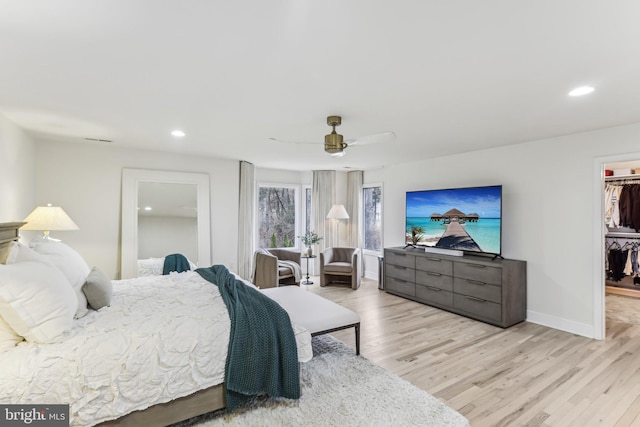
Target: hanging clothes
617,261
629,206
628,269
612,209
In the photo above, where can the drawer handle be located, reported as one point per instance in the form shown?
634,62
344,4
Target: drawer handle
434,289
400,280
477,265
433,274
434,259
475,299
476,282
400,254
399,267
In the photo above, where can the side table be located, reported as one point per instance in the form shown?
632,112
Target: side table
307,281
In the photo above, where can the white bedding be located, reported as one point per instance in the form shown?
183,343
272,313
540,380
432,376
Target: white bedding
155,266
163,337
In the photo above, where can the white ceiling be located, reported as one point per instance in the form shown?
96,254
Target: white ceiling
445,76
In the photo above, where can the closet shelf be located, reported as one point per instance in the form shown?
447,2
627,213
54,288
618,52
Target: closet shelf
622,177
622,234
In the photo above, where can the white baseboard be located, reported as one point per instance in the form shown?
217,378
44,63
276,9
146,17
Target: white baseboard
578,328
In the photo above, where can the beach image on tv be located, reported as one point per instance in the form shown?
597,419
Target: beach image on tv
463,218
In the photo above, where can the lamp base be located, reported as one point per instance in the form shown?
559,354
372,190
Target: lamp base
45,238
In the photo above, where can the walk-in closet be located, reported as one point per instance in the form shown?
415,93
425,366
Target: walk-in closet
622,241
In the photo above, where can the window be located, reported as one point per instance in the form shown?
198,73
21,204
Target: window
276,218
372,215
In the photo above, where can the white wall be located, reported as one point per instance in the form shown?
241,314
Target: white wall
17,177
548,212
85,179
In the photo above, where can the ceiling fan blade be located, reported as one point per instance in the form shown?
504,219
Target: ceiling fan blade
372,139
294,142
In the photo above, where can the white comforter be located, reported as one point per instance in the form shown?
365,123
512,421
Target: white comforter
163,337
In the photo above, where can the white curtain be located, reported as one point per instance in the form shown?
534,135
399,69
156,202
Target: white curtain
246,215
354,209
323,196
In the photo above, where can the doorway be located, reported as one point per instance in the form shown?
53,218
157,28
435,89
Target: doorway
619,278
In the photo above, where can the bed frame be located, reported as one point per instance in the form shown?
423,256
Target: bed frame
163,414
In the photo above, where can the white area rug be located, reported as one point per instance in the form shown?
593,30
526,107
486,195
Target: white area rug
342,389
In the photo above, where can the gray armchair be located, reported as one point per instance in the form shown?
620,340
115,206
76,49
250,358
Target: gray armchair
275,267
340,265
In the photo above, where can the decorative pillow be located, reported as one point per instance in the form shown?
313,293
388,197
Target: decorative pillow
98,289
36,300
71,264
8,337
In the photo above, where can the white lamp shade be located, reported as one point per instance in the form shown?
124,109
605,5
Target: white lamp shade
47,218
337,212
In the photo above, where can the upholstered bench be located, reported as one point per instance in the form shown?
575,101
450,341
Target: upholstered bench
317,314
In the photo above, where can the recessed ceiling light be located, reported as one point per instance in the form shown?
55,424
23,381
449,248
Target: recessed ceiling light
147,208
582,90
178,133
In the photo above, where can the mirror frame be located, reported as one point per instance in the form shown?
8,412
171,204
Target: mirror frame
131,178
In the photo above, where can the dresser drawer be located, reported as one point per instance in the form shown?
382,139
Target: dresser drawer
478,308
435,280
477,289
435,265
434,296
401,259
401,286
480,272
403,273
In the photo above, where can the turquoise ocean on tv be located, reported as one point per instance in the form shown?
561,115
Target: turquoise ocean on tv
485,232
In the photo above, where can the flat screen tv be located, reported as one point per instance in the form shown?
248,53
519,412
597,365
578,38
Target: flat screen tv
462,219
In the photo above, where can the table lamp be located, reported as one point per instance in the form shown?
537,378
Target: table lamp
47,218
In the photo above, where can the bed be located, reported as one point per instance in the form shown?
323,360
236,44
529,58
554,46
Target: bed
154,356
155,266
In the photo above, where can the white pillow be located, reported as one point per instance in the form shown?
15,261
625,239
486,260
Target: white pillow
36,300
8,337
150,267
22,253
71,264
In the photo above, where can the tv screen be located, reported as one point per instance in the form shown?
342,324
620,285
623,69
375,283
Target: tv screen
466,219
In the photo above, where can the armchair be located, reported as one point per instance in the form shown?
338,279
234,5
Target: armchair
340,265
275,267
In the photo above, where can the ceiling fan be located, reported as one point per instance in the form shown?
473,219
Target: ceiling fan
335,144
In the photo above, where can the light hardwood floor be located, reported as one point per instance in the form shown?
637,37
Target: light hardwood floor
527,375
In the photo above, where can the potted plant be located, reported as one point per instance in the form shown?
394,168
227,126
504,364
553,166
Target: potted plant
310,238
417,233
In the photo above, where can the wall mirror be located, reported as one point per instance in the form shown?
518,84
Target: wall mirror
164,212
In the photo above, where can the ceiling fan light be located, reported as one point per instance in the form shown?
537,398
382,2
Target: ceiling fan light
333,143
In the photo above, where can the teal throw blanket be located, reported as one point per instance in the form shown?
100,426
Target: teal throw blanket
175,262
262,355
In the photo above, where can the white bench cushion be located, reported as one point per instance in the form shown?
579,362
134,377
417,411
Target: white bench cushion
312,311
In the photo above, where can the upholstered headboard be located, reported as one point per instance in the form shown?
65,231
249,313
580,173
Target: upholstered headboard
9,231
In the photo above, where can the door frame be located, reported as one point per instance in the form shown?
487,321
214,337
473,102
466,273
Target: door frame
599,309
